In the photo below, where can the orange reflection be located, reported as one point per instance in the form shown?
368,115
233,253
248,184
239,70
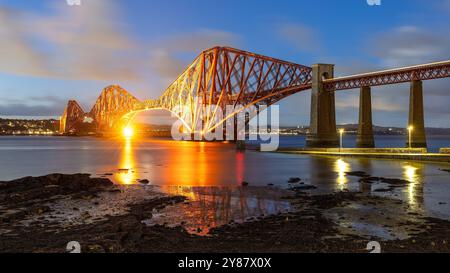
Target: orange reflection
240,167
194,164
127,175
202,165
210,207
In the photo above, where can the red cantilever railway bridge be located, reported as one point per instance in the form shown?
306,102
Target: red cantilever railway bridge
223,76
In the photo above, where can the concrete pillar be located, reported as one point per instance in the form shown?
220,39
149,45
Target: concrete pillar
365,138
322,131
416,116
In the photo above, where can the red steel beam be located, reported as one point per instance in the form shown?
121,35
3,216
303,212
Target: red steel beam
392,76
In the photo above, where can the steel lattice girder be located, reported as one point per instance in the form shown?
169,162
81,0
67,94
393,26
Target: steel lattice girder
225,76
113,103
72,114
392,76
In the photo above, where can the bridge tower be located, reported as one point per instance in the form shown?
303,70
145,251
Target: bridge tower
322,131
416,116
365,137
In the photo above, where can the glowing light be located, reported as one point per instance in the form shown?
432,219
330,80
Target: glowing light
128,132
410,174
127,175
341,133
341,167
410,129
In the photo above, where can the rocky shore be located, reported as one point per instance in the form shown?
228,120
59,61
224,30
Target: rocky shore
43,214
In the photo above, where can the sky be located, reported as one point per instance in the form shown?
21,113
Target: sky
51,52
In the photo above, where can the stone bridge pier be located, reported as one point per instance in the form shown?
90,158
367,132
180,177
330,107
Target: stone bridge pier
416,116
322,130
323,133
365,137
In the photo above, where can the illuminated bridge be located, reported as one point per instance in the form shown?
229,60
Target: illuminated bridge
223,76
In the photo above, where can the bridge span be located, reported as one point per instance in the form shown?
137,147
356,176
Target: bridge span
223,76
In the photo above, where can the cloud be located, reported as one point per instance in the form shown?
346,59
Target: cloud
32,106
84,42
89,42
407,45
17,56
301,37
166,55
381,101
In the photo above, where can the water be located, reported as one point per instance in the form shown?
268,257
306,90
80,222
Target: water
210,170
381,141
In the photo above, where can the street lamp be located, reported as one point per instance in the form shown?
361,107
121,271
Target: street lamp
410,129
341,133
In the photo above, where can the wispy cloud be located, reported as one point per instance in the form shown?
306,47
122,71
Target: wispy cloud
71,43
407,45
32,106
166,55
301,37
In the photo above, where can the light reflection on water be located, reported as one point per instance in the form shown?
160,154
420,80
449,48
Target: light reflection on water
341,167
210,207
126,174
194,164
413,174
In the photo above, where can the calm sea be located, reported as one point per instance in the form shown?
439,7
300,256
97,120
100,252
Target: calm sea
168,163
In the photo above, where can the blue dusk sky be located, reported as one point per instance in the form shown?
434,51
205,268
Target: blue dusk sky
51,52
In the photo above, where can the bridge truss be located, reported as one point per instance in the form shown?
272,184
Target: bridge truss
218,77
224,76
392,76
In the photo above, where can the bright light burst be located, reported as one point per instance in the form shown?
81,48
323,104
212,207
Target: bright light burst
128,132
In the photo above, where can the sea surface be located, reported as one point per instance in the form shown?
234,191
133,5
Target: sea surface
212,173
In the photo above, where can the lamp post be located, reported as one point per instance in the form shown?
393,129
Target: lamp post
410,129
341,133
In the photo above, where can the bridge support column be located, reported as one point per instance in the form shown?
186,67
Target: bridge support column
322,131
365,138
416,116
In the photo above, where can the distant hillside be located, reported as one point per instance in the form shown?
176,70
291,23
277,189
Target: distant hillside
397,130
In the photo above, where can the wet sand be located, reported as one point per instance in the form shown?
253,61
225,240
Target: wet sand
43,214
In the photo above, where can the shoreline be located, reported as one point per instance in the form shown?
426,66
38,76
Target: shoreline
105,217
420,157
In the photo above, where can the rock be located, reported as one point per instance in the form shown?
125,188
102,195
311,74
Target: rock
144,181
96,249
293,180
383,190
304,188
244,184
358,174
